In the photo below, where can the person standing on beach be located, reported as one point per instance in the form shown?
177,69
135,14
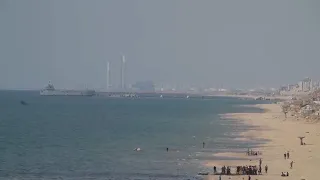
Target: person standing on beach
249,177
266,169
288,155
260,161
285,156
291,164
220,177
260,170
167,149
203,144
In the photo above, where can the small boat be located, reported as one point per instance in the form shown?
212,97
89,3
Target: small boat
203,173
23,103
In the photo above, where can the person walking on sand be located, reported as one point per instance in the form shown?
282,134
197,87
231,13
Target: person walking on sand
266,169
220,177
203,144
291,164
260,170
260,161
249,177
285,156
288,155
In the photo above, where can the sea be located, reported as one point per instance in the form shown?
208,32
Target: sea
75,138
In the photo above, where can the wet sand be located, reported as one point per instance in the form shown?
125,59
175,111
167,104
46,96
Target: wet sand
282,135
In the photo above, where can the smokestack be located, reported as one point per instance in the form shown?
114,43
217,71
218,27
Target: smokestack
123,84
108,75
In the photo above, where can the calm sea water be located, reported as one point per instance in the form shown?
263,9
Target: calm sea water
94,137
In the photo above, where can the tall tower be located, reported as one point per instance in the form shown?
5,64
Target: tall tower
108,75
123,66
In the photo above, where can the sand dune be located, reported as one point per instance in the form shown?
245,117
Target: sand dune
283,136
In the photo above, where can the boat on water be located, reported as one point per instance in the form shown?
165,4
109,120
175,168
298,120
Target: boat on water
23,103
49,90
127,95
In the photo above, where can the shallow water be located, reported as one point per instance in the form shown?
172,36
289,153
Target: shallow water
94,137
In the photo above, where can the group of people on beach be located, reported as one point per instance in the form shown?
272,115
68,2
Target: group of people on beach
242,170
224,170
250,170
284,174
253,153
286,155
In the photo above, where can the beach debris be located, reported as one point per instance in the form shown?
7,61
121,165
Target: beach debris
306,107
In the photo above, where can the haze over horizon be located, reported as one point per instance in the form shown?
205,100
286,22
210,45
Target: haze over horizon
236,44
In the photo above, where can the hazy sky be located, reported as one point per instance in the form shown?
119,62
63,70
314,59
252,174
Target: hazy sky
184,42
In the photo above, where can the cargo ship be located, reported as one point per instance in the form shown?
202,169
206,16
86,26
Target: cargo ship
49,90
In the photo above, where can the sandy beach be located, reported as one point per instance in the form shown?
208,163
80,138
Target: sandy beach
282,135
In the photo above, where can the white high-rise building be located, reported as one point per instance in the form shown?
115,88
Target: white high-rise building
300,84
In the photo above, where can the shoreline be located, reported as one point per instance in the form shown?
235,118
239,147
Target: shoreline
253,97
282,135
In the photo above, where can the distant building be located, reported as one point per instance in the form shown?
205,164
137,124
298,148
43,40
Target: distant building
307,85
316,86
291,87
283,88
303,87
300,86
144,86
